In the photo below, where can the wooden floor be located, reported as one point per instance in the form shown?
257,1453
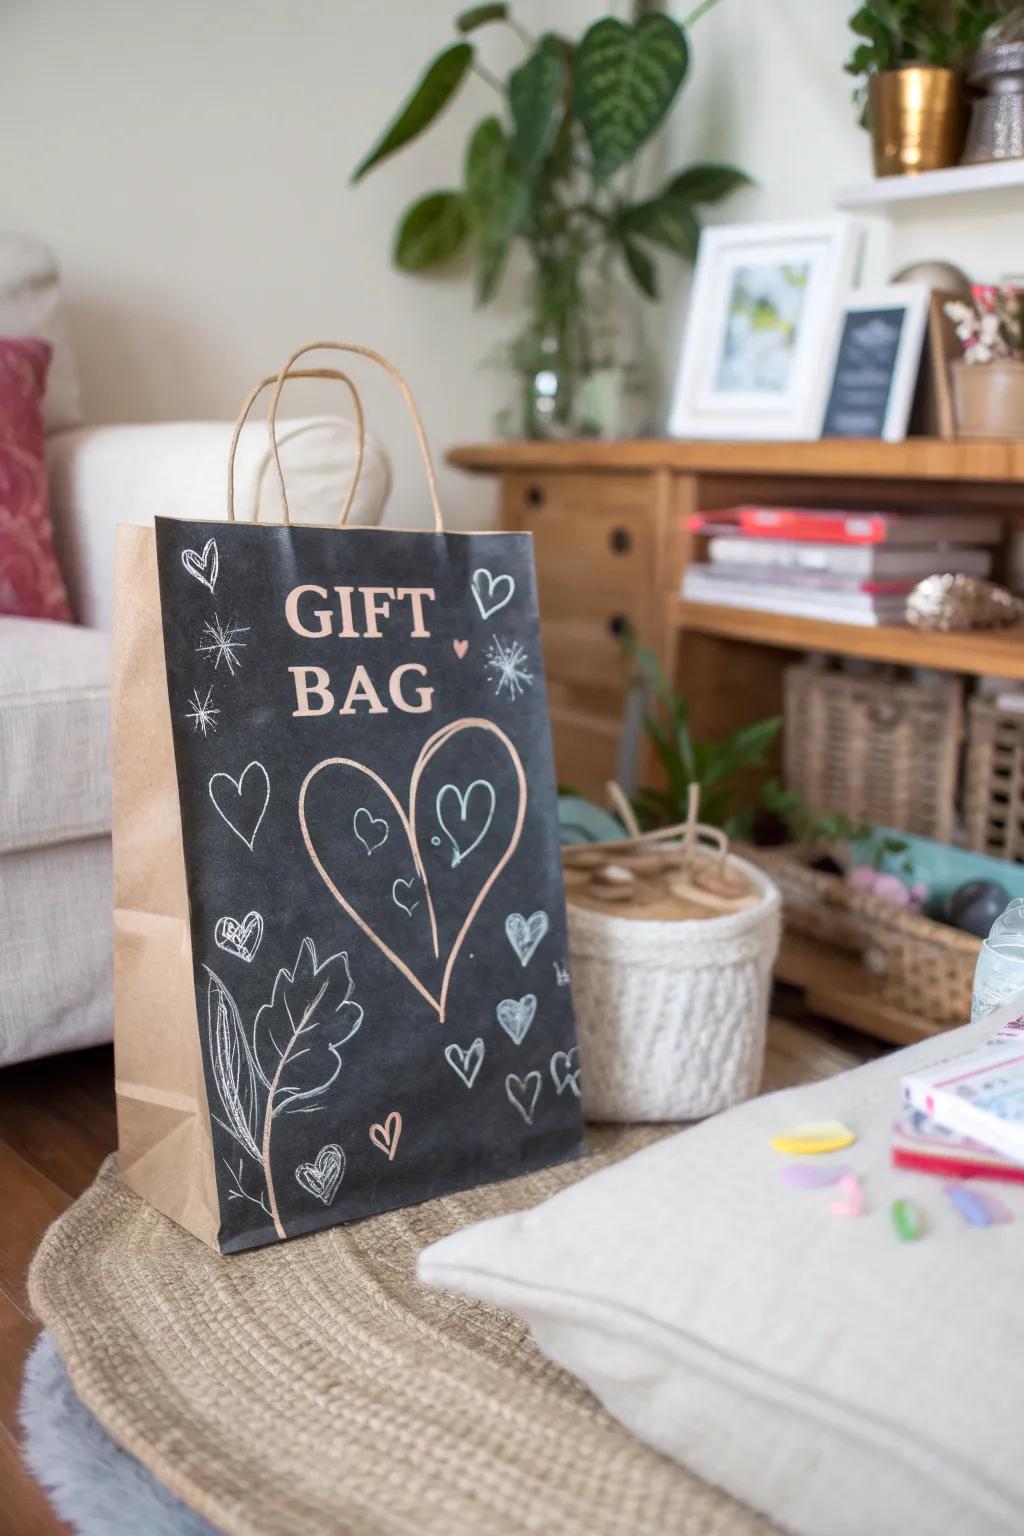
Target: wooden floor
57,1125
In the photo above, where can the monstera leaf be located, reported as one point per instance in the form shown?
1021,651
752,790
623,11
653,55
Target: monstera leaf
298,1035
436,88
535,93
625,80
430,231
234,1071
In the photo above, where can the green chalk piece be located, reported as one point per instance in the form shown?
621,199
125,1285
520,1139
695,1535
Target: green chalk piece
907,1221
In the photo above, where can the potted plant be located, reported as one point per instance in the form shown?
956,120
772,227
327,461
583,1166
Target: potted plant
909,59
988,382
554,170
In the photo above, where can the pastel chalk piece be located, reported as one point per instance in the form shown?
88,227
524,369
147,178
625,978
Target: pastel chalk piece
998,1210
907,1221
814,1137
812,1175
967,1204
851,1199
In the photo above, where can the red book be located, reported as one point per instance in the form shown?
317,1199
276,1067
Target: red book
831,527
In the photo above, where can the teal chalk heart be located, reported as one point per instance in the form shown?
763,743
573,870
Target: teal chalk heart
515,1017
460,827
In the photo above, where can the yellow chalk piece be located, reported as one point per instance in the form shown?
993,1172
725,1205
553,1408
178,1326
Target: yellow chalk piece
816,1136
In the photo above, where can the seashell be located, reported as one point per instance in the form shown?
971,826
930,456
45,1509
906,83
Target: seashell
955,602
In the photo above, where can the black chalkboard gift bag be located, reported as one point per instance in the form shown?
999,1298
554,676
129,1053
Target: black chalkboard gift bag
341,978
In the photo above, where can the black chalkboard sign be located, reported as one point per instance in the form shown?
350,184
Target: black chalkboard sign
865,371
369,826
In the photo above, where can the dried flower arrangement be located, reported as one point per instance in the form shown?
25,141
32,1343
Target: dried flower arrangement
992,327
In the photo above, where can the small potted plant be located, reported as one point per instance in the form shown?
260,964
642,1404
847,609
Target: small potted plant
988,382
909,60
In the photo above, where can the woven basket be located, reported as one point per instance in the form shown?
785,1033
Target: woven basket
874,748
994,780
671,1016
918,966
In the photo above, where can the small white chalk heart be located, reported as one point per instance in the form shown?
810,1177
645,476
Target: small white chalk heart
565,1071
407,885
372,831
465,1063
495,586
248,806
322,1176
515,1017
525,933
203,567
524,1092
240,937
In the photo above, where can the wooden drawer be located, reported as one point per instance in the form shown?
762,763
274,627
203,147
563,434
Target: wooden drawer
586,749
580,629
597,528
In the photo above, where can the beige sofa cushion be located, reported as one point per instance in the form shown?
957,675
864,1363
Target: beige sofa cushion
54,733
842,1382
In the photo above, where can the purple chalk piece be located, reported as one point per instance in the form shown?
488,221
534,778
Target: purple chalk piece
969,1206
998,1210
812,1175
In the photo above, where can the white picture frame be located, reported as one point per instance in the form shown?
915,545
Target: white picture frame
879,404
735,380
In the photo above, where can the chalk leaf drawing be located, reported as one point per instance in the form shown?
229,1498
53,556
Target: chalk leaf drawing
524,1092
406,887
220,643
492,593
324,1174
297,1039
561,975
408,820
372,831
465,1063
239,936
234,1068
525,933
204,567
565,1071
242,802
201,713
507,660
455,803
385,1137
460,647
515,1017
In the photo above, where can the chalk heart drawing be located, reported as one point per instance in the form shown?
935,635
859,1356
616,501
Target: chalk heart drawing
460,647
565,1071
385,1137
409,820
453,806
525,933
515,1017
465,1063
204,567
524,1092
492,593
239,936
400,889
372,831
242,802
322,1176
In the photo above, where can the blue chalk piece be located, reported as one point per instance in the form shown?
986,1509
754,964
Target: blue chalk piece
973,1210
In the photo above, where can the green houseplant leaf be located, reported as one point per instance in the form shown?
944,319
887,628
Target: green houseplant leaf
625,79
431,231
497,201
535,94
641,268
480,16
431,93
707,183
667,221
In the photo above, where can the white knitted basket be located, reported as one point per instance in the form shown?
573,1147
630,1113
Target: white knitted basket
671,1016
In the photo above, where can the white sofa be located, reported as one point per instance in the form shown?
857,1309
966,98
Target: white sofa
55,885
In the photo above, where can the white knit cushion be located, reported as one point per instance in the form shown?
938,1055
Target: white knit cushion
54,733
840,1381
30,306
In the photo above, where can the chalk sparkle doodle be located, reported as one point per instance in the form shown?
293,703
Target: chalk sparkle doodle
508,663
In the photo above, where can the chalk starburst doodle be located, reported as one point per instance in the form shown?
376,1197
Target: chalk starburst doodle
220,643
507,662
201,714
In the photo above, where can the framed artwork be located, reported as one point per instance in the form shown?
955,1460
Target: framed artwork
877,362
763,315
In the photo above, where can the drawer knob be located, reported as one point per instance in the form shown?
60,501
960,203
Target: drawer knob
535,496
619,625
621,541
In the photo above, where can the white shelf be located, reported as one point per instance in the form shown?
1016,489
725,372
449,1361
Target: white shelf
954,182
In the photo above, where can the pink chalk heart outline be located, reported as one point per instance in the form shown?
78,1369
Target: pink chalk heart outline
407,820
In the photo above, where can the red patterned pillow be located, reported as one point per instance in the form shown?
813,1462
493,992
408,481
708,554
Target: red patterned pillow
31,584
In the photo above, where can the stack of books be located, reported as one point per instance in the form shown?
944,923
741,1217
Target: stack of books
848,567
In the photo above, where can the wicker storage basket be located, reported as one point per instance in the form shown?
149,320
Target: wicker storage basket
671,1016
913,964
994,780
874,748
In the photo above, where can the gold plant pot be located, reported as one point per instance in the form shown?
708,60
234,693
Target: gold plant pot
916,120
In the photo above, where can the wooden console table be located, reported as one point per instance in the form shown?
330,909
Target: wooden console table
611,546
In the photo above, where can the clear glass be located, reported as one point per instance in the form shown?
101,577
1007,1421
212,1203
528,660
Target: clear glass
1000,969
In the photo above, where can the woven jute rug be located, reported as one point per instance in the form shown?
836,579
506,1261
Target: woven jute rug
316,1387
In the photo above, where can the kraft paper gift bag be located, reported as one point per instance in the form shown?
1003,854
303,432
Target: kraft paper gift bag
340,956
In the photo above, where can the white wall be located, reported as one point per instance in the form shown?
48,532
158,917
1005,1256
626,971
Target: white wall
189,163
